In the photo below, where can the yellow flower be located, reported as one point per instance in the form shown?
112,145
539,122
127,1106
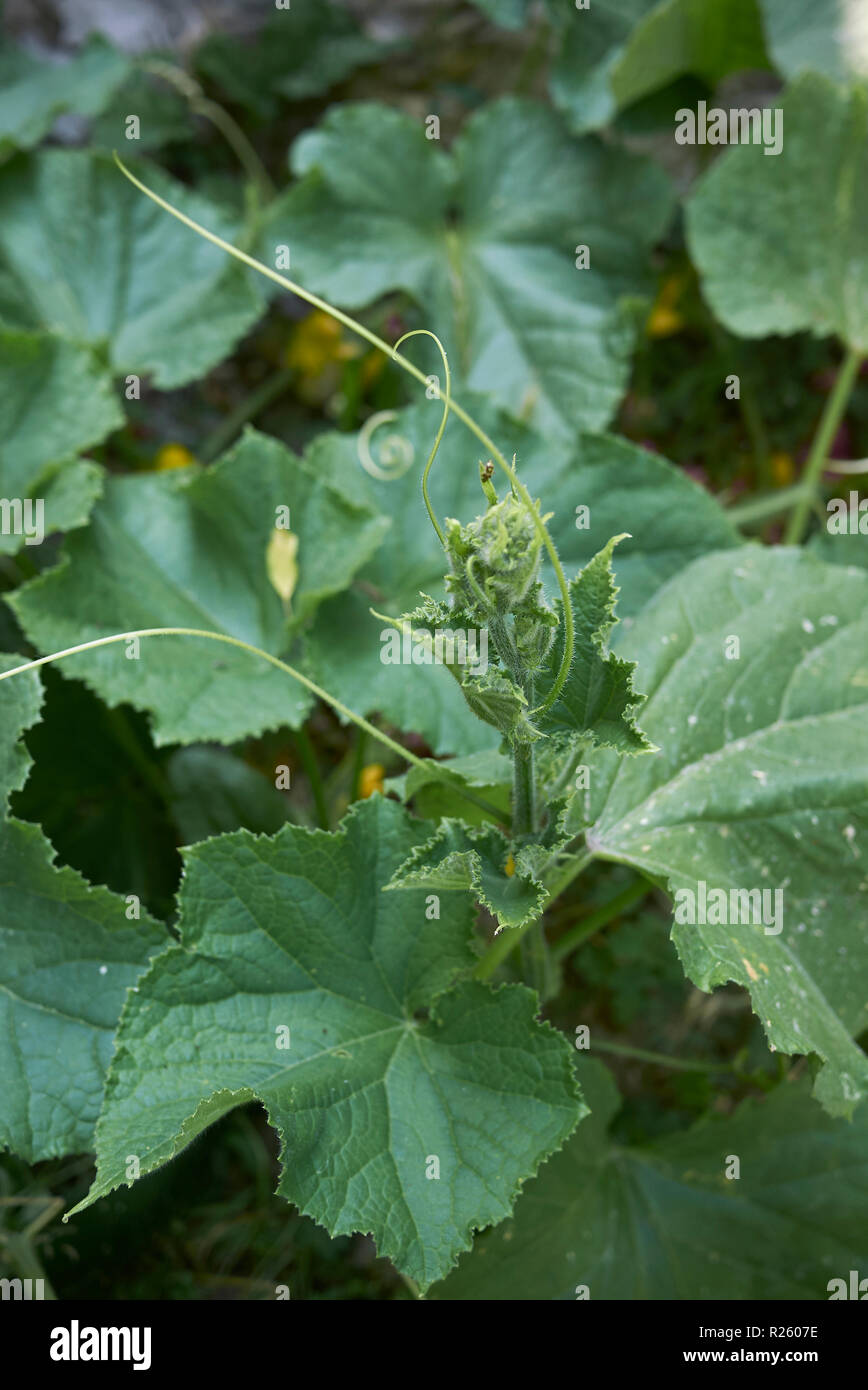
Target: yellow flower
172,456
371,779
316,343
783,469
509,866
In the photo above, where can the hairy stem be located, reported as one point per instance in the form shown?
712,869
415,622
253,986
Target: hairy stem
523,793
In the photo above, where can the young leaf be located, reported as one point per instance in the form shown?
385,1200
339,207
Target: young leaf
615,485
457,858
756,675
499,285
779,241
189,548
298,981
123,278
667,1221
598,702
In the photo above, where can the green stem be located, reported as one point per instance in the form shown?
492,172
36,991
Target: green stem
358,764
660,1059
830,420
772,504
523,795
312,772
410,367
431,767
248,409
600,917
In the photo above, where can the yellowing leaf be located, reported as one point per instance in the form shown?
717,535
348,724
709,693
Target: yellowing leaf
281,563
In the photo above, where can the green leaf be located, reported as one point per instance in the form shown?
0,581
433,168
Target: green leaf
187,548
779,241
88,256
342,654
488,772
55,400
459,859
164,116
598,703
665,1222
825,36
759,784
214,791
301,52
294,932
33,93
486,243
619,51
68,958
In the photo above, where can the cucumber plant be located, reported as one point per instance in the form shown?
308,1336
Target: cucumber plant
713,747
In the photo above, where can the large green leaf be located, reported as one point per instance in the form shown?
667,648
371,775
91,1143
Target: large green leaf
295,933
665,1221
485,240
828,36
780,241
87,255
33,92
671,520
618,51
55,400
188,548
67,957
760,784
302,50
